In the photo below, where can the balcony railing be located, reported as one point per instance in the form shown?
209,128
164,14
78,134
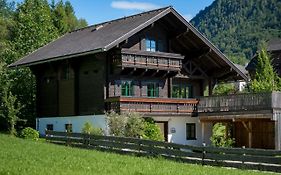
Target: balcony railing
150,60
152,105
240,102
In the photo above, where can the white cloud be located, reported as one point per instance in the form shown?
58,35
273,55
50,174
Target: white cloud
132,5
188,17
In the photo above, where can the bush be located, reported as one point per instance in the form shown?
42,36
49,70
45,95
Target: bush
29,133
134,126
116,123
90,129
221,137
152,131
224,89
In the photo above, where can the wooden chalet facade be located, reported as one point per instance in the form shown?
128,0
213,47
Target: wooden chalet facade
154,63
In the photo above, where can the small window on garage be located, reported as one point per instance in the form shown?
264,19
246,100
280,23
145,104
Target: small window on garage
68,127
190,131
50,127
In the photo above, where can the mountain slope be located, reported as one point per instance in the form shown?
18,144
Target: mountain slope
239,27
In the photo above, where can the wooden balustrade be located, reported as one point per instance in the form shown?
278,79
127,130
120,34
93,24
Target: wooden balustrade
151,60
240,102
152,105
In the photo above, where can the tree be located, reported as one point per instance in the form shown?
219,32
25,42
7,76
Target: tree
60,18
64,18
9,106
265,78
23,30
33,28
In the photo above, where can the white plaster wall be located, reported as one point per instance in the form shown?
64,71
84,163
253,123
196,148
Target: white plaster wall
77,122
240,85
179,123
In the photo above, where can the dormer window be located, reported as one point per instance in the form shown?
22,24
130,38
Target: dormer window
150,44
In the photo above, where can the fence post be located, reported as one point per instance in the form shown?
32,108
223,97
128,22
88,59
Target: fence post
203,152
46,134
243,151
139,144
67,143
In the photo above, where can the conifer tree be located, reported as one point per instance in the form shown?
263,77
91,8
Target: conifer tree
265,78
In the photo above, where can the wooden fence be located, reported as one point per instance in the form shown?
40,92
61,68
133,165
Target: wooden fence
258,159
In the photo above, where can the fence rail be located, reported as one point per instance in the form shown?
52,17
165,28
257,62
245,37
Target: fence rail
258,159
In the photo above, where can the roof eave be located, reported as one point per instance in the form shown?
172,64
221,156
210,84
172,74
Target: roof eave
15,65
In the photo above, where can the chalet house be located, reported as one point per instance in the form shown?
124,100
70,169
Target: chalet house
155,63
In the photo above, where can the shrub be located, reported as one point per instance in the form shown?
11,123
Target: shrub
134,126
221,137
29,133
224,89
90,129
116,123
152,131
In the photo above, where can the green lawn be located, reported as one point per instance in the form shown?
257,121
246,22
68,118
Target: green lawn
18,156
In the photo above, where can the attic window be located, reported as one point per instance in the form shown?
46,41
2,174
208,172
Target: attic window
150,44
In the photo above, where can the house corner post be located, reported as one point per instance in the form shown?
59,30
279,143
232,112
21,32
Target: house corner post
277,119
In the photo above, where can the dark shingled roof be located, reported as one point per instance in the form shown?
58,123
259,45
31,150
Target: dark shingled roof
104,36
100,37
274,44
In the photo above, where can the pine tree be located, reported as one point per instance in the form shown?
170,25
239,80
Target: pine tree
60,18
64,18
265,78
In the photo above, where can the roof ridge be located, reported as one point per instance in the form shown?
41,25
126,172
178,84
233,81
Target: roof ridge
122,18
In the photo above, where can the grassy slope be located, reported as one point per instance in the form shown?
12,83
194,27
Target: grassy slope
19,156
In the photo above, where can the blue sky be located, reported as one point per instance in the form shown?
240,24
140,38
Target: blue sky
96,11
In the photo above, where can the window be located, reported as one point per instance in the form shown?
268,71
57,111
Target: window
50,127
68,127
182,91
150,45
190,131
153,90
127,88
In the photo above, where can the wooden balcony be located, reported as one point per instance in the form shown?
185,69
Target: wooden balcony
162,106
150,60
240,104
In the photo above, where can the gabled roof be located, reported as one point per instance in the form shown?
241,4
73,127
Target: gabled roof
96,38
273,46
104,36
